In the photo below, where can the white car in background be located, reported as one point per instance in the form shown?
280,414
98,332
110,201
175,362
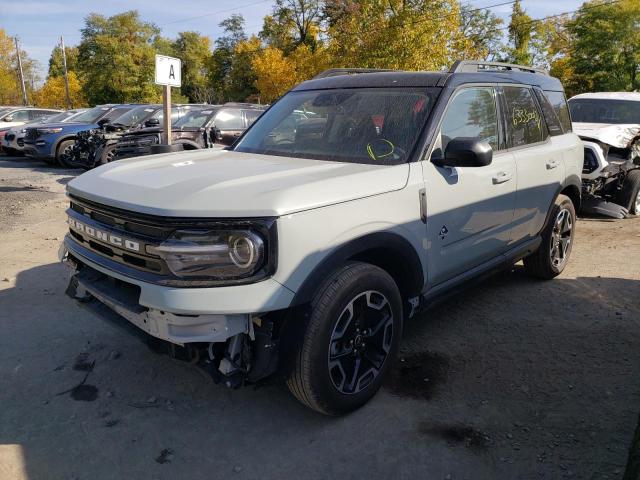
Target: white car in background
609,125
14,116
13,141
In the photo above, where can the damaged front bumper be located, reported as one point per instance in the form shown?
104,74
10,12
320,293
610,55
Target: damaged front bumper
232,347
179,329
87,281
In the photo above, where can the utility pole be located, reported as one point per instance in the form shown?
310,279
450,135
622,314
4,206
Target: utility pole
66,75
25,101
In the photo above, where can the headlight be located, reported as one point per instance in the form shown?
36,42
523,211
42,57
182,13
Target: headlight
219,254
46,131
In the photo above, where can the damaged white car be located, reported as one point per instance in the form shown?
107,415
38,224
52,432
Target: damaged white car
609,125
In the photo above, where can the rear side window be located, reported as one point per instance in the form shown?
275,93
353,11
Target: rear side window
549,114
559,104
250,116
471,113
524,122
229,119
36,114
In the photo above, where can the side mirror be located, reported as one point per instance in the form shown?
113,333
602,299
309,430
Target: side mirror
103,122
466,152
8,118
152,122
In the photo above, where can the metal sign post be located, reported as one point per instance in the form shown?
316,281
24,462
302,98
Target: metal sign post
169,74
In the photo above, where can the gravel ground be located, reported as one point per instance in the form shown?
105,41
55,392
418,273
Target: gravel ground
511,379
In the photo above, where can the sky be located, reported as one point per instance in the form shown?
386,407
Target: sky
39,23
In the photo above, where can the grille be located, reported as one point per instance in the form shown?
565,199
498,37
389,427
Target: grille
148,231
99,225
21,142
31,134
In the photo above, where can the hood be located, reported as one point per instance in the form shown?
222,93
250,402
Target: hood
66,125
144,131
4,126
616,135
208,183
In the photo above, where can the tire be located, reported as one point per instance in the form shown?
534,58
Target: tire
325,382
557,241
61,151
629,196
107,155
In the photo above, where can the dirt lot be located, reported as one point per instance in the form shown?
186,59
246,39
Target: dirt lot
512,379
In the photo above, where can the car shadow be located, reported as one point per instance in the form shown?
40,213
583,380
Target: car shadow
501,370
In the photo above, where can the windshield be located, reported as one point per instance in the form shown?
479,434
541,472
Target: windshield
92,115
195,118
59,117
135,116
595,110
364,125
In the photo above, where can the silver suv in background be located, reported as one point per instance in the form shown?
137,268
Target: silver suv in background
354,201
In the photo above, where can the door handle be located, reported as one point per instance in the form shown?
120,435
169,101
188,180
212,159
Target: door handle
551,164
502,177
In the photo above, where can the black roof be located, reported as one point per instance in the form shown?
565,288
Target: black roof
429,79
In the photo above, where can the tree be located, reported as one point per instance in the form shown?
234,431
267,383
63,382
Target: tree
604,47
116,59
292,23
10,89
230,73
398,34
53,95
56,62
276,73
481,29
195,52
520,33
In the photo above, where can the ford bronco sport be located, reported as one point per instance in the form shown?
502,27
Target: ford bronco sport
351,203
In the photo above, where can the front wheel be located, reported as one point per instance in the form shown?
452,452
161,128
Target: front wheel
353,333
64,154
557,241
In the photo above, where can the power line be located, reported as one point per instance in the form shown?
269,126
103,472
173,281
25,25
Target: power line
584,7
431,19
216,13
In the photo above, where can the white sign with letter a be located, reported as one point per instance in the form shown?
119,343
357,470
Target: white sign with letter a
168,71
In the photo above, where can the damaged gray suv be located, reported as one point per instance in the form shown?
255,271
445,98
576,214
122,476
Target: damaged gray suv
357,199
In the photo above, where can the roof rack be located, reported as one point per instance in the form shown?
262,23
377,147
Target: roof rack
241,104
334,72
474,66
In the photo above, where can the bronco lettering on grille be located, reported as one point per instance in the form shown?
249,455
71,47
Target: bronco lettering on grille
104,236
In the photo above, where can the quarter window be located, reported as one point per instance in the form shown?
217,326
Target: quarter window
524,122
471,113
550,117
559,104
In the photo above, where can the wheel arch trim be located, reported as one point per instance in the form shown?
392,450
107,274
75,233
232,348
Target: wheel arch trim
401,258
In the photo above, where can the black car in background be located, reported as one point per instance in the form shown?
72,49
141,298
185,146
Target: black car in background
97,146
202,128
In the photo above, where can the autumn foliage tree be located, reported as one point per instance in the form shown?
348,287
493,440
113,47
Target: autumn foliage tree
53,93
116,59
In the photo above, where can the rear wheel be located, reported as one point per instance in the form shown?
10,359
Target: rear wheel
557,240
629,196
352,336
63,154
